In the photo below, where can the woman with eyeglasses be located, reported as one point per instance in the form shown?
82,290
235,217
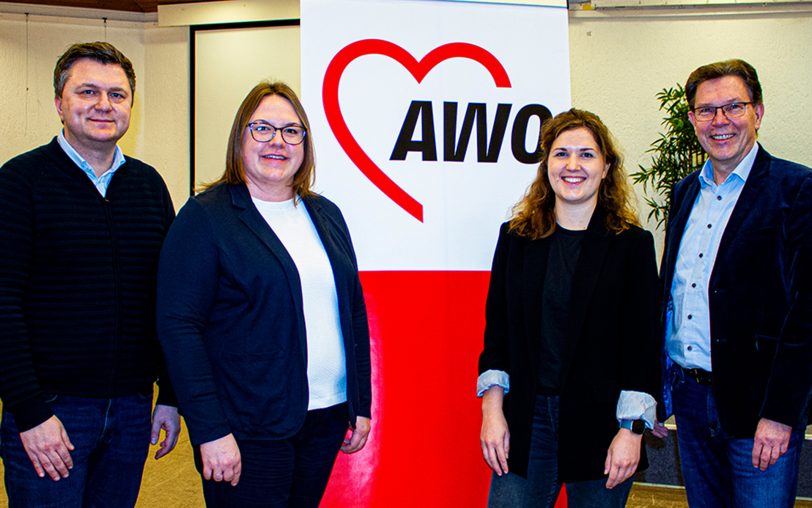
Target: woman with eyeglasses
262,318
570,363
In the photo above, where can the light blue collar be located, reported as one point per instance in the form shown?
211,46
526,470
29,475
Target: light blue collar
742,170
118,158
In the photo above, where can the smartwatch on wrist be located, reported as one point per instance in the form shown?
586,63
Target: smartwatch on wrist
636,426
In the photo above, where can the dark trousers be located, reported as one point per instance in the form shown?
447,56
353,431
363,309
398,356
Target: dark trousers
717,468
540,488
111,440
291,472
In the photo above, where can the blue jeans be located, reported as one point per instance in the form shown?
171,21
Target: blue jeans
541,487
111,440
717,468
285,473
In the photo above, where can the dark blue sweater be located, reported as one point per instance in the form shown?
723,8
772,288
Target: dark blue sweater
77,282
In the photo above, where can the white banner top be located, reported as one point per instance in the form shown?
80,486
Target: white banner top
426,117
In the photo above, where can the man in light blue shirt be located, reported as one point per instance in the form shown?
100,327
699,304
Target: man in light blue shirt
688,329
737,307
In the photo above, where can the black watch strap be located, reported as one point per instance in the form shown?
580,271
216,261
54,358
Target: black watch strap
636,426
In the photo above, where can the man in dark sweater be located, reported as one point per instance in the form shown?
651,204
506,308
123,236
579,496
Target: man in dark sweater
81,227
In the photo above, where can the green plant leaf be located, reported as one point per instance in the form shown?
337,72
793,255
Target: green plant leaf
676,153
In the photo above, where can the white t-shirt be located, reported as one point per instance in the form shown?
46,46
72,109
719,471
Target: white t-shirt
326,366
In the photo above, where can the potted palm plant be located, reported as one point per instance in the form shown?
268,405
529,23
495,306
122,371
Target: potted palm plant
676,154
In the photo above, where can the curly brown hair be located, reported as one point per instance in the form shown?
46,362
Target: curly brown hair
534,216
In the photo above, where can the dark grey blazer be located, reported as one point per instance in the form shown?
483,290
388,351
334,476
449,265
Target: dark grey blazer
231,322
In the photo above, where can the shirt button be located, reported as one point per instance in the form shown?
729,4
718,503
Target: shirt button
690,348
701,255
690,316
693,285
709,226
718,198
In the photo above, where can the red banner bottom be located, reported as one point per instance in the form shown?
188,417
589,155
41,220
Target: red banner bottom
426,335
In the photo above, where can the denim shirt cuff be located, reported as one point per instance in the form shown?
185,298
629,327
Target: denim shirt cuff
491,378
633,405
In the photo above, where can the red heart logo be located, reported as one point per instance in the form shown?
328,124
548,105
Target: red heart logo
419,69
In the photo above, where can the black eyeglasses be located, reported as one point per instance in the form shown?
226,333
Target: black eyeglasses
732,110
263,132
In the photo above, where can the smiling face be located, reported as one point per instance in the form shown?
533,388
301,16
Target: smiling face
575,168
270,167
727,140
95,105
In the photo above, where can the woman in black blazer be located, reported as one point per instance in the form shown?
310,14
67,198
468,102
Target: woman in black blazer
570,360
262,318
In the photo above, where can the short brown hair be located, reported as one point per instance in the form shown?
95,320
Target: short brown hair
534,216
235,171
734,67
102,52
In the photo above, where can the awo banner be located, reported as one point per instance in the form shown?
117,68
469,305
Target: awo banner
426,118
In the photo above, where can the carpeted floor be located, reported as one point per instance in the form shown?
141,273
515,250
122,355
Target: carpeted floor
173,481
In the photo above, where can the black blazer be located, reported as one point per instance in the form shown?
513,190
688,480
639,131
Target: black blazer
611,343
231,322
759,295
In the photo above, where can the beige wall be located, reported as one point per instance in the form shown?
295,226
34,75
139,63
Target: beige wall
160,120
619,60
166,104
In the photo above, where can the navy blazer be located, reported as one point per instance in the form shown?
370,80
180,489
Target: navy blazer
611,343
231,322
759,295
